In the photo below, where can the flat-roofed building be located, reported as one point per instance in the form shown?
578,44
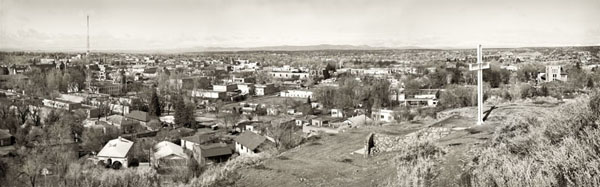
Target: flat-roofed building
61,104
296,93
289,75
383,115
264,89
225,88
209,94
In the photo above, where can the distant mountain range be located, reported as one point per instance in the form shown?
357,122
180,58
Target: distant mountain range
264,48
283,48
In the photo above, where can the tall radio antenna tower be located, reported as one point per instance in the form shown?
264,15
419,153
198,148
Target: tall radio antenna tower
88,36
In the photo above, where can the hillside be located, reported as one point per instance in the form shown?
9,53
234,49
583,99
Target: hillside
330,160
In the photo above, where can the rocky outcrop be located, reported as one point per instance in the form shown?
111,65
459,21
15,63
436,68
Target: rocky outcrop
389,143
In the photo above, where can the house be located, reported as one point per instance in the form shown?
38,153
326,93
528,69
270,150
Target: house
555,72
325,121
125,124
319,121
296,93
200,137
337,113
245,88
305,120
248,126
264,89
215,152
6,139
168,154
383,115
249,143
116,153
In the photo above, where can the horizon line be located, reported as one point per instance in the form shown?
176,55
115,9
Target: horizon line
337,47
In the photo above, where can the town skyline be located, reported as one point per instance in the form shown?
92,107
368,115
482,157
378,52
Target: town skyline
183,25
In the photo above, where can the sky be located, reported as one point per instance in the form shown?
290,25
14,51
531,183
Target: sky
60,25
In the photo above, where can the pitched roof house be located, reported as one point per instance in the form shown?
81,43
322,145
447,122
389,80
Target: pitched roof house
167,152
200,137
116,152
249,143
216,152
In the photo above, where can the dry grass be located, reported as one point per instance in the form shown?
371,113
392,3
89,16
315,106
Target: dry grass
224,175
553,150
416,164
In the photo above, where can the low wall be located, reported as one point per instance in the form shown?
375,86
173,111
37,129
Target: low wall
313,129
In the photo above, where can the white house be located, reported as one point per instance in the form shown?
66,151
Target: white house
116,152
555,73
383,115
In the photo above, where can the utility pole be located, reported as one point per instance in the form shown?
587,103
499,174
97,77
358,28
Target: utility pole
88,36
479,67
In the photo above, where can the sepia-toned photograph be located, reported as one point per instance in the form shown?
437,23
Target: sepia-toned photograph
299,93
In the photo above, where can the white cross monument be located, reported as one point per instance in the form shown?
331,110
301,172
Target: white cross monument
479,67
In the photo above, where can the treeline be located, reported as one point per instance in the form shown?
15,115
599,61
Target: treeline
42,83
367,93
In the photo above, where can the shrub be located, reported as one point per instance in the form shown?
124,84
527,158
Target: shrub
416,164
594,104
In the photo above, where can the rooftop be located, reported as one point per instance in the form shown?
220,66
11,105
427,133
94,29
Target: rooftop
215,149
117,148
250,140
139,115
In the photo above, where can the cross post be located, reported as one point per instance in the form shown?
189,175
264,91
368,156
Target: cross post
479,67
